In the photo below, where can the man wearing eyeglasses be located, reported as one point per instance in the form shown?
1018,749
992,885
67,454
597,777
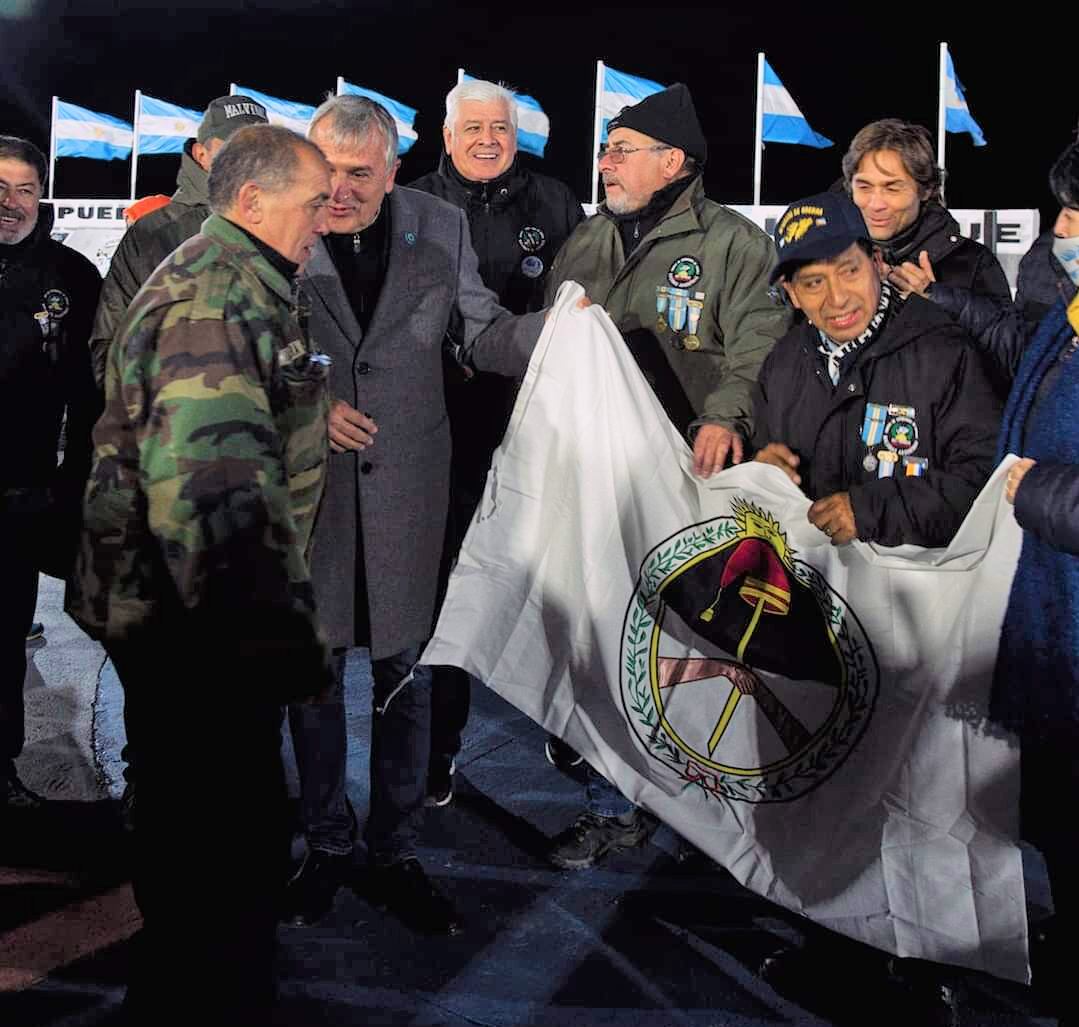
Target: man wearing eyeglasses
686,282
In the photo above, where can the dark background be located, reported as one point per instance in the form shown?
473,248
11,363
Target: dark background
845,65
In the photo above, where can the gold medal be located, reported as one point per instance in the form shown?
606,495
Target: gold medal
691,342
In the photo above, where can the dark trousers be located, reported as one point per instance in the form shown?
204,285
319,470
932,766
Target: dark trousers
1049,775
451,701
18,598
400,743
211,839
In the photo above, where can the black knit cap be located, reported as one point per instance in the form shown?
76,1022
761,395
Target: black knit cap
668,116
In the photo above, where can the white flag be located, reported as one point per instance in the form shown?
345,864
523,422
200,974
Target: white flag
810,716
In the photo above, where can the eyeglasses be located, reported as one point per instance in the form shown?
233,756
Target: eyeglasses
617,154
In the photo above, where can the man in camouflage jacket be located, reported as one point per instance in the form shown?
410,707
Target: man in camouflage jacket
207,474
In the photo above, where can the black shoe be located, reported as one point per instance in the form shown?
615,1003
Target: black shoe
405,890
37,630
310,895
561,755
440,782
14,795
589,838
929,993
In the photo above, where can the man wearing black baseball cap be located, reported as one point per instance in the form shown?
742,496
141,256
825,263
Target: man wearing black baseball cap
686,282
153,237
879,408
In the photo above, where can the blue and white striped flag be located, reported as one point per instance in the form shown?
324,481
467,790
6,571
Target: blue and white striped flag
79,132
783,121
533,125
402,114
957,117
621,90
296,116
165,127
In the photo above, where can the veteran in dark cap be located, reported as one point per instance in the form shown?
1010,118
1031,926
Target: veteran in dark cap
878,407
152,238
686,282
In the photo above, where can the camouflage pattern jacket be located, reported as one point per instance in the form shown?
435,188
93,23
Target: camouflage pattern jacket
208,466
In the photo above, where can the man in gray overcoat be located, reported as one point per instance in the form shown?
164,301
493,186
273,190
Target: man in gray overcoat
391,289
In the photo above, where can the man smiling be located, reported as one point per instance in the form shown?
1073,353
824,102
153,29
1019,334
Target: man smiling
879,408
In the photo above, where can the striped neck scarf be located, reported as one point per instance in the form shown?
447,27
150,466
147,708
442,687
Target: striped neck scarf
834,353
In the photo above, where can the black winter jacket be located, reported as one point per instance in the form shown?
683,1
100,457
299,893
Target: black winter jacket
518,223
499,212
921,359
957,260
145,245
1042,281
45,371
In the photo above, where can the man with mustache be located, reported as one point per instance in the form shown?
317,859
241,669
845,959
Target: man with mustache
48,293
686,282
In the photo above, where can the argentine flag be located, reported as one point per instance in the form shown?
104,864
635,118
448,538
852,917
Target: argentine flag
620,90
79,132
957,116
783,121
165,127
296,116
402,114
533,125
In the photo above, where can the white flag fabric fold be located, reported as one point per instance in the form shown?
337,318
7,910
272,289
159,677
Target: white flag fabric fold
956,112
533,125
289,113
783,120
812,717
403,115
164,127
79,132
619,90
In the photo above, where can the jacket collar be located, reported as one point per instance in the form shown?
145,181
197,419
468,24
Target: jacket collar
192,183
933,230
245,253
497,191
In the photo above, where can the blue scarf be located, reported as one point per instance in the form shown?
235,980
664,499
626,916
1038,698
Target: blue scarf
1036,683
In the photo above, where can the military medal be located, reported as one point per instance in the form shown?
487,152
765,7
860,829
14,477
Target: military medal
42,319
677,309
685,272
915,466
873,432
888,460
696,308
661,306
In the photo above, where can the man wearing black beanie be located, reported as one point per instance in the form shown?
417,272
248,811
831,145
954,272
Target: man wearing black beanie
686,282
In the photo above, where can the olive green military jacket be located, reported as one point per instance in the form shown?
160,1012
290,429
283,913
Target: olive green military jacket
209,459
691,301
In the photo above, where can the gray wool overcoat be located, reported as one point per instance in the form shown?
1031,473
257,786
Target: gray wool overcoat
395,494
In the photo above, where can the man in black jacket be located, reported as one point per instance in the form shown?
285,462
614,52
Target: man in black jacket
48,293
879,407
881,410
890,172
518,220
153,237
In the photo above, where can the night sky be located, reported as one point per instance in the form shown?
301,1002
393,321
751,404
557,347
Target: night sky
845,65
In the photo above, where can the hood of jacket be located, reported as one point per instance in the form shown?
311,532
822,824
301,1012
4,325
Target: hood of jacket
192,183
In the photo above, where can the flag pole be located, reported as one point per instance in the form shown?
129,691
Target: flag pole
597,130
941,104
758,132
340,84
460,75
52,149
135,142
232,89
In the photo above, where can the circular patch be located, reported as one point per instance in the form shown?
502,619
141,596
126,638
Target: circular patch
57,303
901,435
684,272
743,672
531,239
532,266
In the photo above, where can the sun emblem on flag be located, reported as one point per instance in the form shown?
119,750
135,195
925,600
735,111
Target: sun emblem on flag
742,669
